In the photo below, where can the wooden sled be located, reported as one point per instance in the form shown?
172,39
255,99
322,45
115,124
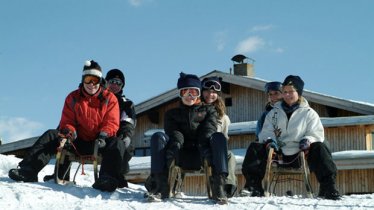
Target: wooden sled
176,176
274,170
63,154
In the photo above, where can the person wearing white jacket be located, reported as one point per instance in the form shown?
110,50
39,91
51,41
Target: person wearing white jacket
291,126
304,123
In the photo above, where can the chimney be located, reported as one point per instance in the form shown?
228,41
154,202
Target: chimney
242,67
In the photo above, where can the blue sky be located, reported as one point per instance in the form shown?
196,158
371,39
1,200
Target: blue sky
44,43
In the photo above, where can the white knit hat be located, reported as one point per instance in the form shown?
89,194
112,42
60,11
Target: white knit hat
92,68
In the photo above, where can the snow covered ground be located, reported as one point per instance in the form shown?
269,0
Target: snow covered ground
48,195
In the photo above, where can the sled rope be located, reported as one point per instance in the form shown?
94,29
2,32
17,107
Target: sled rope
82,158
286,163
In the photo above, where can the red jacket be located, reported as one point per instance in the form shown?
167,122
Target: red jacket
87,116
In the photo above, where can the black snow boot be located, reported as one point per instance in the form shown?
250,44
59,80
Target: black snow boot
322,191
230,190
106,183
158,187
327,188
329,191
162,185
23,174
253,188
122,182
218,193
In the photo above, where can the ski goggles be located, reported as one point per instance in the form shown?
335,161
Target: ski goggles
116,82
212,84
189,91
88,79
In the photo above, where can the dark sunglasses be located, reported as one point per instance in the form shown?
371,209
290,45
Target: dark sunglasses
116,81
212,84
91,79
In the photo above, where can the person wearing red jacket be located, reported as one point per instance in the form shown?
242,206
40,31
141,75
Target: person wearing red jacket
90,113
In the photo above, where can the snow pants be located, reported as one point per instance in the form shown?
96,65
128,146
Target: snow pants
46,146
319,160
189,158
129,153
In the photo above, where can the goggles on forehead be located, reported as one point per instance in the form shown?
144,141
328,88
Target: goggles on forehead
189,91
212,84
115,81
88,79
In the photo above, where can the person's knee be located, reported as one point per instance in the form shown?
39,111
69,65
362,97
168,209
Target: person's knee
218,137
318,148
159,138
316,145
51,133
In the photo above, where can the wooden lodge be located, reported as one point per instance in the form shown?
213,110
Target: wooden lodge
349,126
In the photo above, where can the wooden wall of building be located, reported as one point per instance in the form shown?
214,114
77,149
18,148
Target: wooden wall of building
337,138
247,104
346,138
327,111
144,123
240,141
347,182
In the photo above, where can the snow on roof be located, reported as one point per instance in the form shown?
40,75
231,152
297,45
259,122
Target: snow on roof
353,154
138,163
249,127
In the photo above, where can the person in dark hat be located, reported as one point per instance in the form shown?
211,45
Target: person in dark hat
273,90
82,123
190,138
115,81
290,127
296,82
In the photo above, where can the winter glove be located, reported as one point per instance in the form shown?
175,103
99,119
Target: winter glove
68,136
65,133
271,143
129,152
304,144
127,141
101,141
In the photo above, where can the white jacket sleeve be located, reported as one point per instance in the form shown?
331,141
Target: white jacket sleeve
268,127
314,131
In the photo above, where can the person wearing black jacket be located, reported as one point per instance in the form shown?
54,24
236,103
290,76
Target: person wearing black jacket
190,138
115,83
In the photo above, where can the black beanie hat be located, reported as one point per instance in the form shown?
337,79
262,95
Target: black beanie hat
92,68
296,82
188,81
274,86
115,73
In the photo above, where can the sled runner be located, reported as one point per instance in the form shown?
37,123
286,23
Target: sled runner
67,155
176,175
275,169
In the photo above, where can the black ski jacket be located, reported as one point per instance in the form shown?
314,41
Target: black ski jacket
191,126
127,117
